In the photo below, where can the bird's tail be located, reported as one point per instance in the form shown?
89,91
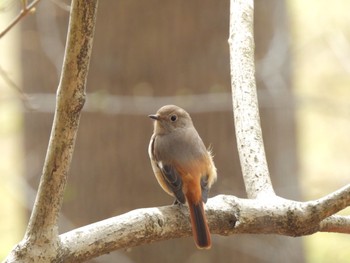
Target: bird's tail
200,227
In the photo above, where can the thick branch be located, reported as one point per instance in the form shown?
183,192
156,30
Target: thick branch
226,215
41,242
70,100
245,103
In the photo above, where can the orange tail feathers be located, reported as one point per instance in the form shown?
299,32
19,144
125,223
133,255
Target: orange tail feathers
200,227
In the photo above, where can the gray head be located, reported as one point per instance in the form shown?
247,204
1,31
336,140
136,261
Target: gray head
169,118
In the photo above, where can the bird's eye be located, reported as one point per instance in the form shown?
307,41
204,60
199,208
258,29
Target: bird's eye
173,118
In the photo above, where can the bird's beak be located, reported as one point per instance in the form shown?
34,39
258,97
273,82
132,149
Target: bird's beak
154,116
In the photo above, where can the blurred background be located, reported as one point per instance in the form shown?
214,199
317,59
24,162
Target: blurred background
150,53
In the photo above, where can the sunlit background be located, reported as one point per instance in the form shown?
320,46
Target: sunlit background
319,39
321,65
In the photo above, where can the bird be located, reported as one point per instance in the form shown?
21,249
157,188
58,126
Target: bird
183,166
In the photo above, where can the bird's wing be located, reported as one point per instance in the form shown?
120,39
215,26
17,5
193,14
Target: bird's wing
166,174
173,180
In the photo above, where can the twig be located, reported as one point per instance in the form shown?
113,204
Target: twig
245,103
26,9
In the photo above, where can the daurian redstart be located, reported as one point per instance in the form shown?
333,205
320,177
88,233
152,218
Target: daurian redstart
182,165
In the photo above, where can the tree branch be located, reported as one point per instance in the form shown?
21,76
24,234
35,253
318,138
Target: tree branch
336,224
42,232
26,9
226,215
245,103
332,203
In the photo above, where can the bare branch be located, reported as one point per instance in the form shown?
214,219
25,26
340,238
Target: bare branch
245,103
42,233
134,228
332,203
226,215
70,100
336,224
26,9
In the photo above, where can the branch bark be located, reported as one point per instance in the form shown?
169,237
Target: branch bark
336,224
41,242
245,103
226,215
